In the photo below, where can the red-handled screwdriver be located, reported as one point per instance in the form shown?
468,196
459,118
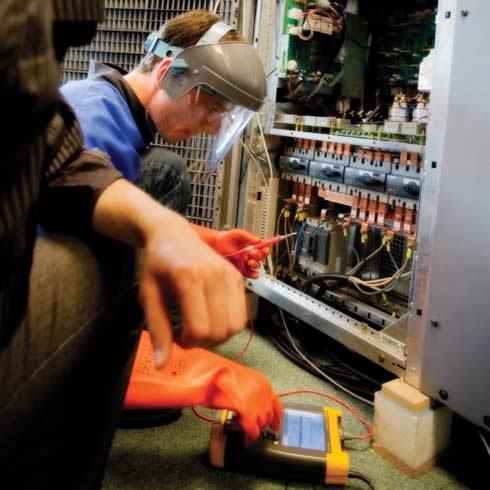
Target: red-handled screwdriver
263,243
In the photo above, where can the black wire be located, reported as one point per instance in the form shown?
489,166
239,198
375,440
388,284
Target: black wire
332,371
360,476
344,373
349,367
339,377
244,169
323,277
362,375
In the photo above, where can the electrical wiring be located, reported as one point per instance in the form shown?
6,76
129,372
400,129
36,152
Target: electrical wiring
264,144
319,371
250,337
364,380
360,476
318,86
201,415
383,284
358,266
336,8
270,264
376,286
342,375
323,277
285,347
393,261
254,160
306,94
274,252
362,375
301,92
299,238
337,20
291,242
293,77
351,247
288,229
328,23
368,287
376,290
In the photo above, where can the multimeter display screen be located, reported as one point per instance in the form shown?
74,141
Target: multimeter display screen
305,430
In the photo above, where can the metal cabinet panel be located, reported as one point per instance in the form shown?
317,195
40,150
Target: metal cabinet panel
448,345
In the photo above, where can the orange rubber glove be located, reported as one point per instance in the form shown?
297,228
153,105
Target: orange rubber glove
228,242
200,377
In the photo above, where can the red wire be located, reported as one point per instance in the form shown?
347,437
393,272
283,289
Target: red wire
369,427
201,415
250,337
249,341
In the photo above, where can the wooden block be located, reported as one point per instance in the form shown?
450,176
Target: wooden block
406,396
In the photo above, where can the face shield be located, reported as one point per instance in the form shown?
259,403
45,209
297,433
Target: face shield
229,83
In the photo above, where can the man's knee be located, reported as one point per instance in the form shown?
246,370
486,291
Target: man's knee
164,176
157,156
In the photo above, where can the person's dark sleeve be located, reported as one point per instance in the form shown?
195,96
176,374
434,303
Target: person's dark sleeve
75,177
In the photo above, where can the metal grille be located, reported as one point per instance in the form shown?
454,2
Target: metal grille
119,40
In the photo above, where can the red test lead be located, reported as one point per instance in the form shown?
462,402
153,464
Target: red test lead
264,243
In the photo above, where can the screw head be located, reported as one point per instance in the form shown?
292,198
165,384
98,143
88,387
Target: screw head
443,394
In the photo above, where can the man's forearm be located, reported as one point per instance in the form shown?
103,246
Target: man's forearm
178,268
128,214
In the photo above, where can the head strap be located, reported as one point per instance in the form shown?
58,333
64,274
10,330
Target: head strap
214,33
160,48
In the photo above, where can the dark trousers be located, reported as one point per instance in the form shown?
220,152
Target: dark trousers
64,375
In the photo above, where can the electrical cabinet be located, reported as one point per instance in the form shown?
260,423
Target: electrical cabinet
375,125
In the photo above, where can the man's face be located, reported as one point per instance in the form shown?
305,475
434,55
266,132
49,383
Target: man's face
195,112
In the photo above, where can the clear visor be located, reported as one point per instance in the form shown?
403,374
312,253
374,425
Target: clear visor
232,124
219,118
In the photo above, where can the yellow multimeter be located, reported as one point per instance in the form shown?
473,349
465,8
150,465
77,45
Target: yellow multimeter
307,448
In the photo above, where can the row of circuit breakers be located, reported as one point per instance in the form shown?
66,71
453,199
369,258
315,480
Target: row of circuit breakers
375,170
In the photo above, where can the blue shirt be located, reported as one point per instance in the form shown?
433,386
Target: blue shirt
111,117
